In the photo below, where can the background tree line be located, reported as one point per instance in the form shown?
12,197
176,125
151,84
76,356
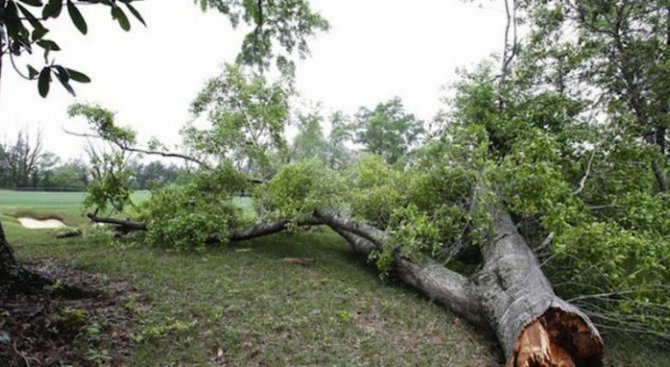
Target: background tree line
386,130
26,165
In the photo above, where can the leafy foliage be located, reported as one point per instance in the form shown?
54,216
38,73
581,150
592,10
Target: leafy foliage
298,189
310,142
24,24
110,187
190,215
247,116
387,130
287,24
111,175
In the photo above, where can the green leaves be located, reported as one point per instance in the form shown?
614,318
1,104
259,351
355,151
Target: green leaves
78,76
300,188
121,17
76,17
48,45
136,13
52,9
32,72
20,38
64,75
64,78
44,81
248,116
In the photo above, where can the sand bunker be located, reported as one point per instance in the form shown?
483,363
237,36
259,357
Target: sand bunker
33,223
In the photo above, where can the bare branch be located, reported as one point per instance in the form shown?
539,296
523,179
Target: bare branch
582,182
126,148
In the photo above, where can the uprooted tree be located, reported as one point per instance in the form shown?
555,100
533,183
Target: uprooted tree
537,211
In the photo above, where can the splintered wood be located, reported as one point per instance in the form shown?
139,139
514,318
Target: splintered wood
556,339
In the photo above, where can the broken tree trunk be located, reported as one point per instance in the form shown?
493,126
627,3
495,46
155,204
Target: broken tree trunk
535,327
446,287
511,296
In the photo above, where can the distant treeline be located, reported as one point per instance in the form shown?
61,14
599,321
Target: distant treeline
24,165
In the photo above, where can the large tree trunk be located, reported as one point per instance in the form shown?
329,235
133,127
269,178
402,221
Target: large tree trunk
510,296
535,327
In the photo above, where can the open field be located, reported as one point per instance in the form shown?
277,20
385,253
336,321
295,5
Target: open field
242,306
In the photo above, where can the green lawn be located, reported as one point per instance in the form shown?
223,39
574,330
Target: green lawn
65,206
250,308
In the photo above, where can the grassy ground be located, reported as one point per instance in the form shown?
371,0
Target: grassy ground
243,306
65,206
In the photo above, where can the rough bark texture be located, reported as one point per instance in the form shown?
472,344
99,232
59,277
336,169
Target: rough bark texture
511,296
446,287
535,327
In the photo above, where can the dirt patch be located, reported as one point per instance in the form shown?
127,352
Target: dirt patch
39,330
33,223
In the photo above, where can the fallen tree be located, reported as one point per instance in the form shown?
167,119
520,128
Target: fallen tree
510,296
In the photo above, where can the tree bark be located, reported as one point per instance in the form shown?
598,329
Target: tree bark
534,326
446,287
17,279
510,296
265,229
121,226
14,277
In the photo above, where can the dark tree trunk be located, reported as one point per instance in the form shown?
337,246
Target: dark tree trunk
120,225
14,277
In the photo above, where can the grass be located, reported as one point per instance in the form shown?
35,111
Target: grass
65,206
250,308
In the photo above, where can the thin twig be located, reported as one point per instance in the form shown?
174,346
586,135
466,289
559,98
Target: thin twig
582,182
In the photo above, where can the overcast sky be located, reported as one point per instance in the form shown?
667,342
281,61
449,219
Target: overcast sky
376,49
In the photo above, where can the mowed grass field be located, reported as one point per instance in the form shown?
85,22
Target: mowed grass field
241,305
66,206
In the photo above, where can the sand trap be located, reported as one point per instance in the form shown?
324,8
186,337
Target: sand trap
33,223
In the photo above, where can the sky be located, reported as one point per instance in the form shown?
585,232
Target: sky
374,51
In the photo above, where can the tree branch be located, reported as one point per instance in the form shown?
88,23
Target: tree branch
582,182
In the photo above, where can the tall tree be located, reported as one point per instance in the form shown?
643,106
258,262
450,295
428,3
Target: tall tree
340,139
310,141
24,158
387,130
617,55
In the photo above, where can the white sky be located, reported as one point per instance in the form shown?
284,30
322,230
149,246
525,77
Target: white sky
376,49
